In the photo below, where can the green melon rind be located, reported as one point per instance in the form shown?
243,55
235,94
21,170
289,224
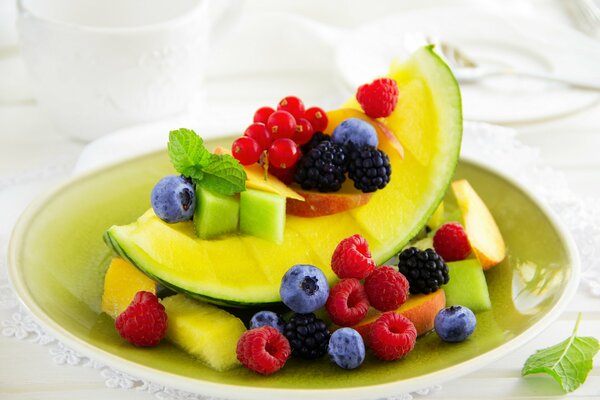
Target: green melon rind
116,246
447,84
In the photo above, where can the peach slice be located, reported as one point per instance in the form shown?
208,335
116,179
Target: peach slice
256,179
482,230
384,134
420,309
317,204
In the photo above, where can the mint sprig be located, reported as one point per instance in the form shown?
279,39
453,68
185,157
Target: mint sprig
568,362
217,173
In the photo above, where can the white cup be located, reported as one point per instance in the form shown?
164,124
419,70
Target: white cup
97,66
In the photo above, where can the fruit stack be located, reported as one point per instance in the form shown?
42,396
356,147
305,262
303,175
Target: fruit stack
366,308
349,304
290,143
275,136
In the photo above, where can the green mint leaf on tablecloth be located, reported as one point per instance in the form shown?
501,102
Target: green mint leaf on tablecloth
568,362
223,174
187,153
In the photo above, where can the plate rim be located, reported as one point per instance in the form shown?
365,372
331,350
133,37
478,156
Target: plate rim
240,392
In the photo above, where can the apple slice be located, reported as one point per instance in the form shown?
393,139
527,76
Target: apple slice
384,134
420,309
256,179
317,204
482,230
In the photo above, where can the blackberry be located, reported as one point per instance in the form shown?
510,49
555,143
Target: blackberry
368,167
322,168
308,336
317,138
425,270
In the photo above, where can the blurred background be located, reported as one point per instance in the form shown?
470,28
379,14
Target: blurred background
75,72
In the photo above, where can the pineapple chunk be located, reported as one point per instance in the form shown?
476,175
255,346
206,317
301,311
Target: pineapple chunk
122,281
203,330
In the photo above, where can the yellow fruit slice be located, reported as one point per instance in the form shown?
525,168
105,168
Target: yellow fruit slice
203,330
255,179
428,125
121,282
482,230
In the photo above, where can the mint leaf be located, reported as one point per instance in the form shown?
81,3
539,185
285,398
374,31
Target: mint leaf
218,173
187,153
223,174
568,362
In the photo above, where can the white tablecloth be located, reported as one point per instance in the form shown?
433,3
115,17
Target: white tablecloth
34,157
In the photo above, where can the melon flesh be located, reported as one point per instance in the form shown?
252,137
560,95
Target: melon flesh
121,283
203,330
215,214
245,270
467,286
262,215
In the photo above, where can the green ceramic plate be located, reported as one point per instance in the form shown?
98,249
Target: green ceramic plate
58,260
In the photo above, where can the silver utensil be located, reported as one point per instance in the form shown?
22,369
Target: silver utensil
468,70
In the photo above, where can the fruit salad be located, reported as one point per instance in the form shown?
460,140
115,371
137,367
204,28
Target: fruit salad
328,225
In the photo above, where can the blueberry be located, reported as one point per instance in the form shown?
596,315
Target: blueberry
173,199
304,288
263,318
455,324
355,131
346,348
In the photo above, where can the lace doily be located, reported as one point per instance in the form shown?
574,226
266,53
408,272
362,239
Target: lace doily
486,143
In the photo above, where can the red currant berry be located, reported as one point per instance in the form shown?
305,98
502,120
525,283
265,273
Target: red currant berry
283,153
259,132
317,117
262,114
293,105
281,124
304,131
246,150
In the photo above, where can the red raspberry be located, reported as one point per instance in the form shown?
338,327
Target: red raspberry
144,321
378,98
264,350
352,258
347,303
451,242
387,289
392,336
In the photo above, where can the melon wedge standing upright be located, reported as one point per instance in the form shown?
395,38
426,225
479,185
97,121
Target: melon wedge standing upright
428,124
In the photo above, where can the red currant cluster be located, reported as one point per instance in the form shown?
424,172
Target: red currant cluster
276,135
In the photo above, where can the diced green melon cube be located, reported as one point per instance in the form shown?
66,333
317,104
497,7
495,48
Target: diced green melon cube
204,331
467,286
262,214
215,214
